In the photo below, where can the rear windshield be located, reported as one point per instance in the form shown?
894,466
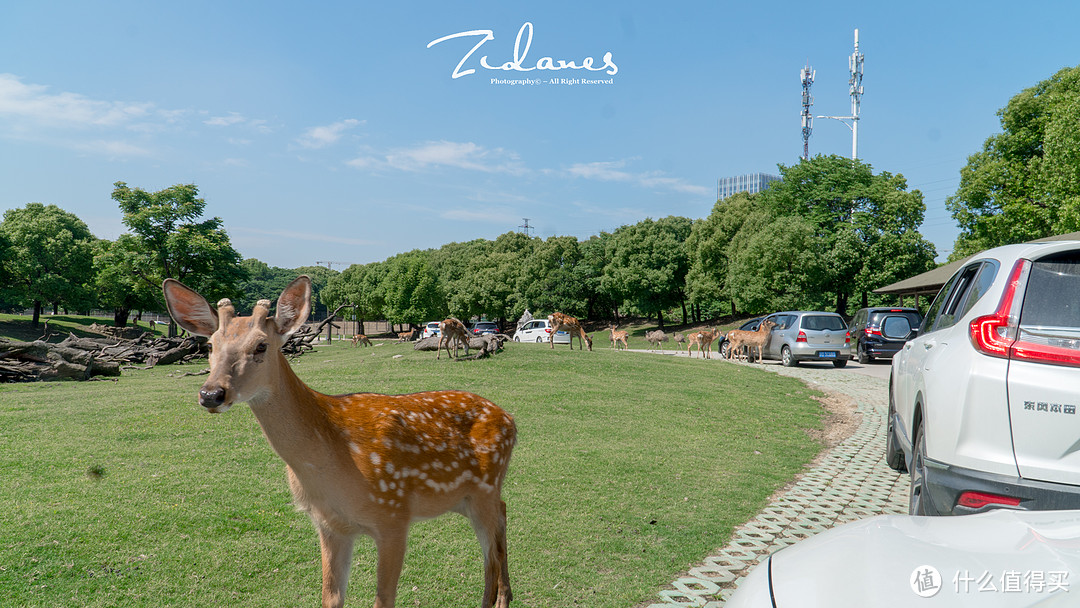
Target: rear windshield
913,317
823,322
1052,298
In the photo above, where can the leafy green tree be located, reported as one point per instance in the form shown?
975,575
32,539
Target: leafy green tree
360,286
492,282
175,242
852,211
411,290
649,264
588,276
115,281
707,249
775,263
550,278
50,257
1025,182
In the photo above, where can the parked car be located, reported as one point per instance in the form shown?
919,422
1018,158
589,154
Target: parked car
998,559
431,330
482,328
537,331
881,332
983,403
751,325
808,336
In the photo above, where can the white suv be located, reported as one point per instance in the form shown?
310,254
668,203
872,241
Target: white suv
538,331
983,403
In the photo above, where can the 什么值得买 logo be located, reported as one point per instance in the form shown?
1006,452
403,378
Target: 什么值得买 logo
544,63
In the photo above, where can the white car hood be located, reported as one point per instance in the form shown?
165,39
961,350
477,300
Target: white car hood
1029,559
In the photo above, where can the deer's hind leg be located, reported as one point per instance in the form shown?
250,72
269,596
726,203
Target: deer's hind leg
487,514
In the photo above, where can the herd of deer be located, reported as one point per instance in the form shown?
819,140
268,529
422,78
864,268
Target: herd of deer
365,463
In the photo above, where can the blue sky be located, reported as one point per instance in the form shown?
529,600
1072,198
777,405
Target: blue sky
330,131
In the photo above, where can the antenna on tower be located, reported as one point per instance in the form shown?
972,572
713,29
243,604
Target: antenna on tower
526,227
855,66
807,101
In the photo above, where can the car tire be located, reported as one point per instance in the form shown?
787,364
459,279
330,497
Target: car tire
517,339
787,358
918,495
839,363
724,349
539,340
864,357
894,456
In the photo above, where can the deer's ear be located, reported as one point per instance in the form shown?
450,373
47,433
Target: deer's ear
190,310
293,306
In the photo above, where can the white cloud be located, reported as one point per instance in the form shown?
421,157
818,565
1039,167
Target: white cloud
320,137
612,171
436,154
225,121
488,215
35,103
306,236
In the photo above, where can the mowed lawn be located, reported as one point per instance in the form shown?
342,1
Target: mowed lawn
629,469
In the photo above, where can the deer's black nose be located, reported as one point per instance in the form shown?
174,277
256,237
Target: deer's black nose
211,397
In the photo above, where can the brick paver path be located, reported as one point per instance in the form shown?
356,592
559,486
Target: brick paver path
851,482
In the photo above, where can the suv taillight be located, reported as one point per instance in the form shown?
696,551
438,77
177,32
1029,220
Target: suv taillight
802,337
872,331
995,333
998,334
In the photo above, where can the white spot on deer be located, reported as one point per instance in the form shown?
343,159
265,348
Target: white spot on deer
382,486
375,459
389,468
355,448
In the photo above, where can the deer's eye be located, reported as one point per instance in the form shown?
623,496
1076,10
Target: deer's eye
261,348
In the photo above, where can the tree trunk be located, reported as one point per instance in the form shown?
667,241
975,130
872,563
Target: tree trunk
660,319
120,317
37,313
684,312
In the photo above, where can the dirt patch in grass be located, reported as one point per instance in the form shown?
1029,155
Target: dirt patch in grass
840,421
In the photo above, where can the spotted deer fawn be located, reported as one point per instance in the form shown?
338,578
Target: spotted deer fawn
563,322
452,330
360,463
703,340
618,336
361,339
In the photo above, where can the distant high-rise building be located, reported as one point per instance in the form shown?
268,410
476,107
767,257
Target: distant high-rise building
751,182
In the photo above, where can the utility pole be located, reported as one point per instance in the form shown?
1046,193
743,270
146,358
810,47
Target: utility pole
855,88
526,227
807,76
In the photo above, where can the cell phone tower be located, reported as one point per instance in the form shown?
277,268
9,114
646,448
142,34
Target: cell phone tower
807,76
855,66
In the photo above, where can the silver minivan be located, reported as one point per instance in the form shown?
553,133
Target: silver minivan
808,336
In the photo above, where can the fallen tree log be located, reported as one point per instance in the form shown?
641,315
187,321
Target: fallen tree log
82,358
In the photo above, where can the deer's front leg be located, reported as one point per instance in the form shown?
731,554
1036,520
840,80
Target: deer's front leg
337,552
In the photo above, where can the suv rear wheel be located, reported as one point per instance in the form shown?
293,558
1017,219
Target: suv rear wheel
918,496
894,456
864,357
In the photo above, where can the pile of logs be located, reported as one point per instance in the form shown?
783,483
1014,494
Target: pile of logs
479,346
83,358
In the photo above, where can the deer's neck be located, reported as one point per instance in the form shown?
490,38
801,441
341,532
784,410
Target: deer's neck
294,418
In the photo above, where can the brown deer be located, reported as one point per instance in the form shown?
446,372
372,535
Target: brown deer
737,339
703,339
452,330
360,463
618,336
406,336
562,322
361,339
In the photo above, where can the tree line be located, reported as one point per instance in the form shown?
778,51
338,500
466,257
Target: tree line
823,237
830,230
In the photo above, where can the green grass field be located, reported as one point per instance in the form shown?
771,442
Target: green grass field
629,469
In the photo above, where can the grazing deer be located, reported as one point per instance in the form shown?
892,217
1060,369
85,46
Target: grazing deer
656,338
618,336
452,330
561,322
406,336
361,339
703,339
360,463
739,339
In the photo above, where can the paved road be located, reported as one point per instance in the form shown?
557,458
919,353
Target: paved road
850,482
